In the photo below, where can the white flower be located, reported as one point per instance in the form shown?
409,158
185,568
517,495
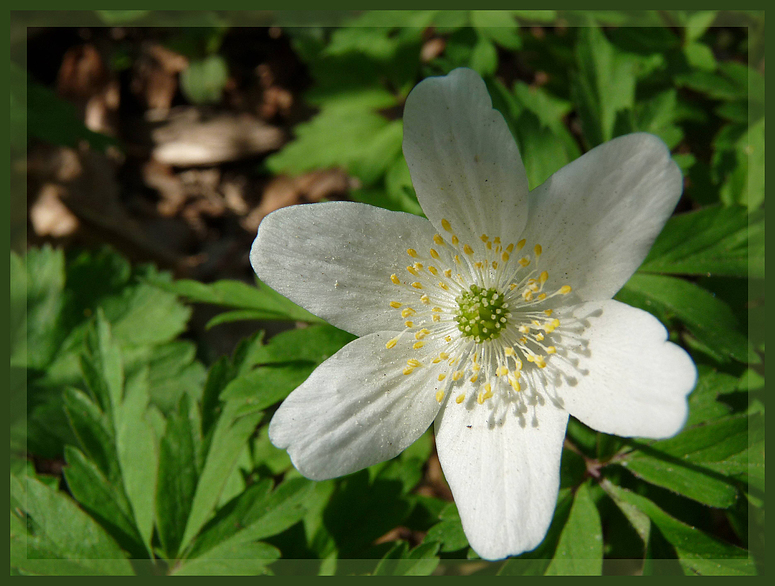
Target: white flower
493,319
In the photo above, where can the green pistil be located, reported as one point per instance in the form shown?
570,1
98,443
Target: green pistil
481,313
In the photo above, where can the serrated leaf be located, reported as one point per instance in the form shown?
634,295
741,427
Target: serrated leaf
255,514
313,344
266,385
604,85
178,475
239,295
93,430
400,561
102,500
698,552
580,547
703,403
230,559
51,535
138,457
713,240
707,317
230,435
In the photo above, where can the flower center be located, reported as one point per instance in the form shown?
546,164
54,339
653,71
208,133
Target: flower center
481,313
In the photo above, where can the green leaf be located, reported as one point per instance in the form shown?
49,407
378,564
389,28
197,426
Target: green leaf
255,514
700,56
102,500
313,344
449,532
102,367
202,82
580,547
267,385
484,57
231,433
400,561
51,535
138,454
497,25
703,403
230,559
178,474
93,430
711,241
698,552
173,371
268,304
707,317
350,138
604,85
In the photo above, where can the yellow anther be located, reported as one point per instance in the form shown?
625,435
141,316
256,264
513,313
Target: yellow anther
548,312
436,360
515,384
468,250
414,363
391,343
495,264
551,350
443,286
487,391
457,258
408,370
502,371
418,345
442,376
447,338
537,249
439,396
543,277
476,367
480,398
417,265
474,378
438,239
446,225
436,309
425,299
539,337
411,252
513,286
565,289
555,322
443,355
457,375
412,270
419,335
542,296
522,340
505,256
425,331
409,324
521,244
395,304
510,248
527,294
483,238
524,261
518,364
509,351
433,270
417,285
434,254
407,311
436,317
496,240
448,273
478,265
395,279
455,240
524,329
489,246
459,399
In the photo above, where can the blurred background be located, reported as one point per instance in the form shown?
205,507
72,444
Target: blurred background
146,148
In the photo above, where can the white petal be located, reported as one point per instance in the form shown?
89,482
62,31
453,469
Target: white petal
505,476
356,409
597,217
629,380
464,163
335,260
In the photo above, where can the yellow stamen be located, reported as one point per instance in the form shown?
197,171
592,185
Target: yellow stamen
439,395
417,285
438,239
408,370
395,304
442,376
407,311
468,250
459,399
433,270
413,362
434,254
455,240
537,249
395,279
391,343
565,289
446,225
418,345
425,299
411,252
